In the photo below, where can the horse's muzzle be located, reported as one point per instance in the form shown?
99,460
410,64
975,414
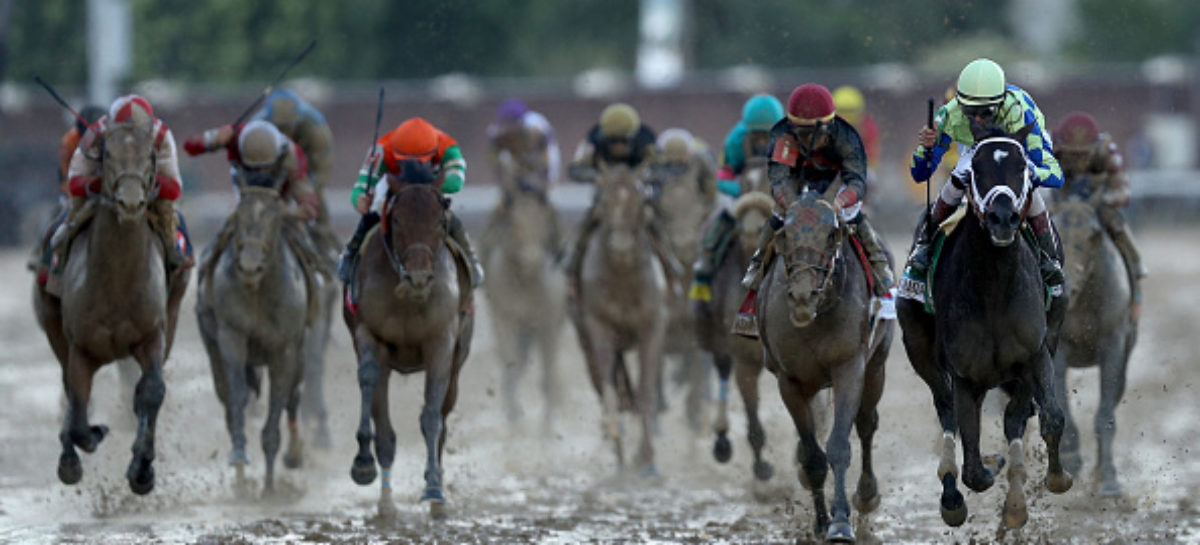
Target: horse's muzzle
415,286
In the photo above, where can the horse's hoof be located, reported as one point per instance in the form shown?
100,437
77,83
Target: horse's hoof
868,504
363,471
239,458
979,481
433,495
437,511
70,470
1058,482
1071,460
1110,489
293,460
649,471
387,509
954,509
141,482
90,440
1015,512
763,470
722,449
840,532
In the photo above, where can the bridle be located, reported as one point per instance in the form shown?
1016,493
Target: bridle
1021,201
397,259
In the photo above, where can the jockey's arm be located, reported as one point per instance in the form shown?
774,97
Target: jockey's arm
170,184
1115,184
299,186
317,141
1042,162
370,173
583,166
453,170
210,140
83,176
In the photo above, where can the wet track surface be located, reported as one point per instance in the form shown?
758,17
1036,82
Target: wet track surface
561,485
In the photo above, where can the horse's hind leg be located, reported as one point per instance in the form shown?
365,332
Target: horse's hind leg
722,448
650,364
1016,414
696,374
147,399
547,337
813,464
967,400
513,346
78,371
1050,421
385,445
281,372
293,457
866,494
363,469
1112,388
746,373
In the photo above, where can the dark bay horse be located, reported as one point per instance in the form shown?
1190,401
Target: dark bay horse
526,291
623,305
1100,329
253,312
732,354
414,314
116,302
817,332
990,328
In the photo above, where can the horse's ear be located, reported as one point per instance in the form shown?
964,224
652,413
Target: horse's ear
1023,133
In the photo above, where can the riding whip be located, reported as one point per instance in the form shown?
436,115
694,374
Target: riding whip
929,179
374,139
271,87
60,100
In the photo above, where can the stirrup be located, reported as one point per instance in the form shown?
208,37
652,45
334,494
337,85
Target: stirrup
753,276
700,291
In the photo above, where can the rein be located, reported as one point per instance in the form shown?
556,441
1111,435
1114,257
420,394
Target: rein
396,260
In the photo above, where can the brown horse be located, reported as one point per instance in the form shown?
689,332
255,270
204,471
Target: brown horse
817,331
683,205
735,354
526,292
623,304
414,314
116,302
1099,330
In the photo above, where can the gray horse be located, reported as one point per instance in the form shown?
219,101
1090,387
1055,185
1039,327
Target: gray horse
817,331
525,292
415,313
1099,330
684,205
623,305
735,354
254,311
116,302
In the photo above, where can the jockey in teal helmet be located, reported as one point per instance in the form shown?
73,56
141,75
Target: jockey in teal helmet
747,140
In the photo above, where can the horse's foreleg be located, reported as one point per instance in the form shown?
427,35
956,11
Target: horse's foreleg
847,395
1050,421
747,373
696,371
233,346
513,366
385,445
147,399
1112,388
722,448
78,371
281,388
363,468
293,457
866,494
967,400
650,363
813,464
547,338
1069,445
1016,414
312,392
438,372
602,359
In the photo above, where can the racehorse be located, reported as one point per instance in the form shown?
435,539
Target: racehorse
413,313
990,328
817,331
116,302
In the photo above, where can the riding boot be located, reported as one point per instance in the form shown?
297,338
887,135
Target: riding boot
78,214
1048,265
349,260
712,252
921,256
165,223
876,254
459,234
754,272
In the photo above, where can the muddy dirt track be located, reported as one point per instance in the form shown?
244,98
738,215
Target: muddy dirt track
528,484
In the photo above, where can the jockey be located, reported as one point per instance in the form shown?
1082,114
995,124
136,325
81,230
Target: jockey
304,125
677,151
86,169
852,107
414,144
984,101
618,138
1089,156
812,148
749,138
259,155
528,138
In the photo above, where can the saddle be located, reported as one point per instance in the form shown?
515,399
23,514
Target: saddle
920,289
